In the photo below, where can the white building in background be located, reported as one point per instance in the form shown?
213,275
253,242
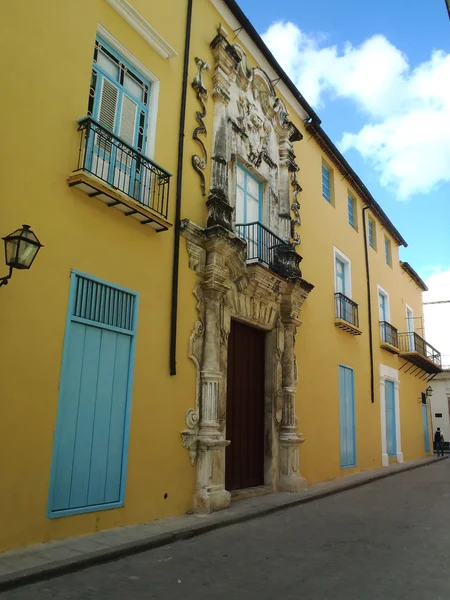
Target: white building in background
437,333
440,403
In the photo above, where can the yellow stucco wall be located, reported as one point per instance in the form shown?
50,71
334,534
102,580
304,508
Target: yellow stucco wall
47,78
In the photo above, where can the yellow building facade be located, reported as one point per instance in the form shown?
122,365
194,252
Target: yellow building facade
167,348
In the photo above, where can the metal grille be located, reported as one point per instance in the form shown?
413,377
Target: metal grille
412,342
101,303
346,309
388,333
117,163
265,247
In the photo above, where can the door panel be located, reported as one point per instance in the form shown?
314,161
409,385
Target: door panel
91,432
347,417
426,428
391,435
245,407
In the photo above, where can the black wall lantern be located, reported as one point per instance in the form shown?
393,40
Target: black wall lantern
429,391
21,248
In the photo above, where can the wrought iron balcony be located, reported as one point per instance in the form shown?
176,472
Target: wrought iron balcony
347,315
389,337
267,248
120,175
419,352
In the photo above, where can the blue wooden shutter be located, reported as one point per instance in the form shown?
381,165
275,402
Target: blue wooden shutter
326,188
89,455
371,240
347,417
391,434
426,429
351,211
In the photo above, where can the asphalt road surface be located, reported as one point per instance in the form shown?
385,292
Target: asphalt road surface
389,539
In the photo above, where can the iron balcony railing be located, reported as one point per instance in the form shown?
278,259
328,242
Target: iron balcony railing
388,333
346,309
265,247
123,167
412,342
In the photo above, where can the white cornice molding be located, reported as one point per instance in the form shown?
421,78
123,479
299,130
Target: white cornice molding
144,29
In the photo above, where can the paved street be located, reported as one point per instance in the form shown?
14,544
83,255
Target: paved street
389,539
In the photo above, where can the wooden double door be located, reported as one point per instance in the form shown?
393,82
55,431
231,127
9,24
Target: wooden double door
245,407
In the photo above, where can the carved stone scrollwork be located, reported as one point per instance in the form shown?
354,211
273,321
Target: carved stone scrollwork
190,435
200,162
296,189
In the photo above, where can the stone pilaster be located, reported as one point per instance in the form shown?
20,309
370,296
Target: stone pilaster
291,479
225,258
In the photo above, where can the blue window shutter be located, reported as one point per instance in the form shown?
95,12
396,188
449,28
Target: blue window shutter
391,434
371,242
426,429
347,417
351,211
89,455
326,188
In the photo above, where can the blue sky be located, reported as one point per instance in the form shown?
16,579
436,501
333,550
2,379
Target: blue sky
369,71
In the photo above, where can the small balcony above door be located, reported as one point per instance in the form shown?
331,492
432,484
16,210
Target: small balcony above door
118,174
266,248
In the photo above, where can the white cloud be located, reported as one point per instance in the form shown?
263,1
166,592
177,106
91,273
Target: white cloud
407,136
437,316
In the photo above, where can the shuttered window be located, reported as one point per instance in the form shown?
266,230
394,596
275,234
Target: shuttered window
91,439
347,417
326,183
119,98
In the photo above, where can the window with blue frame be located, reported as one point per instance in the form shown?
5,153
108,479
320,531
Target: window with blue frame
249,210
372,235
352,211
326,183
119,102
387,251
118,96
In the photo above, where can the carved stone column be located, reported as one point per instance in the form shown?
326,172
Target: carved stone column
291,479
224,259
210,489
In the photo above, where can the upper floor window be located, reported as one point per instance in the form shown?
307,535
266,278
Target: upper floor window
118,97
248,197
342,271
352,211
326,183
388,251
372,234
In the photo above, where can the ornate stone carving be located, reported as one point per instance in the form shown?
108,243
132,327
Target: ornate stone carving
251,124
229,288
200,162
190,435
296,189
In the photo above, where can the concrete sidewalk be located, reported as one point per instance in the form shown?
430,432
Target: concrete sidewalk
21,567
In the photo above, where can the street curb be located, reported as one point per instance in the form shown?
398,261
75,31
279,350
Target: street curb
71,565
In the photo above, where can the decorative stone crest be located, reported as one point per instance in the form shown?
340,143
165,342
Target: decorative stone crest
200,162
252,126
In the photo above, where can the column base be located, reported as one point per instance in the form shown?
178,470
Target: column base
211,500
290,478
399,457
292,483
384,460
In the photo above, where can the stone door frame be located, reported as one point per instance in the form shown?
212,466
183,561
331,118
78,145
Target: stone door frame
229,288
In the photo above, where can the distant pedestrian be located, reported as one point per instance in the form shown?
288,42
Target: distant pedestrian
439,442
